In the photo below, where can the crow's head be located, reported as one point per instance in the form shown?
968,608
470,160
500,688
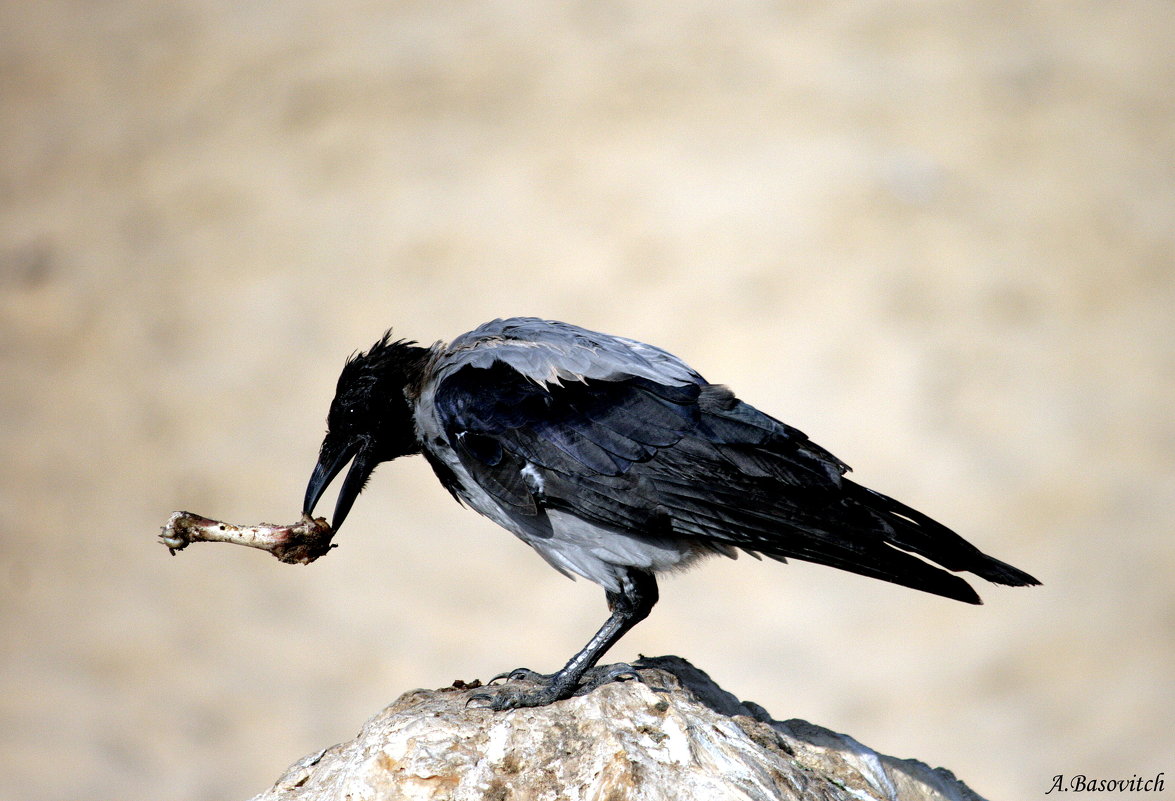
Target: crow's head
370,420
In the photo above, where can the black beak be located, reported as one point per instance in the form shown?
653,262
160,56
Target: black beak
331,461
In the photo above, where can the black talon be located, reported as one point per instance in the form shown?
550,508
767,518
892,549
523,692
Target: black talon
519,674
618,672
489,701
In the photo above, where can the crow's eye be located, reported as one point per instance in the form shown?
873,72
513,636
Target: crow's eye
342,415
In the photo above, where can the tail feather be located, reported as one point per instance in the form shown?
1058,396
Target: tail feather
999,572
927,537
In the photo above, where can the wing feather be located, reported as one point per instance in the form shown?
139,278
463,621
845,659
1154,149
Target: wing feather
629,438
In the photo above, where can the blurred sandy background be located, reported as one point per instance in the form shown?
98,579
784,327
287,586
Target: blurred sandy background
938,237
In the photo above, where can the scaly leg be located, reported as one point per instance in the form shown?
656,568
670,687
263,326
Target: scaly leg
637,596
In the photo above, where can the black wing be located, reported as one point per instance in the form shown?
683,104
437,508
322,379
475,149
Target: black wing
694,462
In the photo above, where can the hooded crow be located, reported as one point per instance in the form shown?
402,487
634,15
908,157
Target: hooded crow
616,461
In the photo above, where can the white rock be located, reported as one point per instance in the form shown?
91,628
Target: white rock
676,736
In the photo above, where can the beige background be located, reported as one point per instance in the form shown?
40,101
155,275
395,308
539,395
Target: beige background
937,236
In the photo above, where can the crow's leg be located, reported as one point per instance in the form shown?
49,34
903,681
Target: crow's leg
638,594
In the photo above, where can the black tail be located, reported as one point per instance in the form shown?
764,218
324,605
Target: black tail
914,531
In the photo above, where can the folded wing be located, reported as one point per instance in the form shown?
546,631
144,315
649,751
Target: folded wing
629,438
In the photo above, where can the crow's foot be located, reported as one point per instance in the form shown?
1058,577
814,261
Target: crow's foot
552,688
515,697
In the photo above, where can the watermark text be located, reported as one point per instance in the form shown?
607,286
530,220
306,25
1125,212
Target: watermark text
1080,783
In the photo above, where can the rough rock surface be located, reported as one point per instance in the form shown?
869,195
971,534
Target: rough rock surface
675,736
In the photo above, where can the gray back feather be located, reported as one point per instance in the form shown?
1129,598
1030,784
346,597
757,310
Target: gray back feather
549,352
